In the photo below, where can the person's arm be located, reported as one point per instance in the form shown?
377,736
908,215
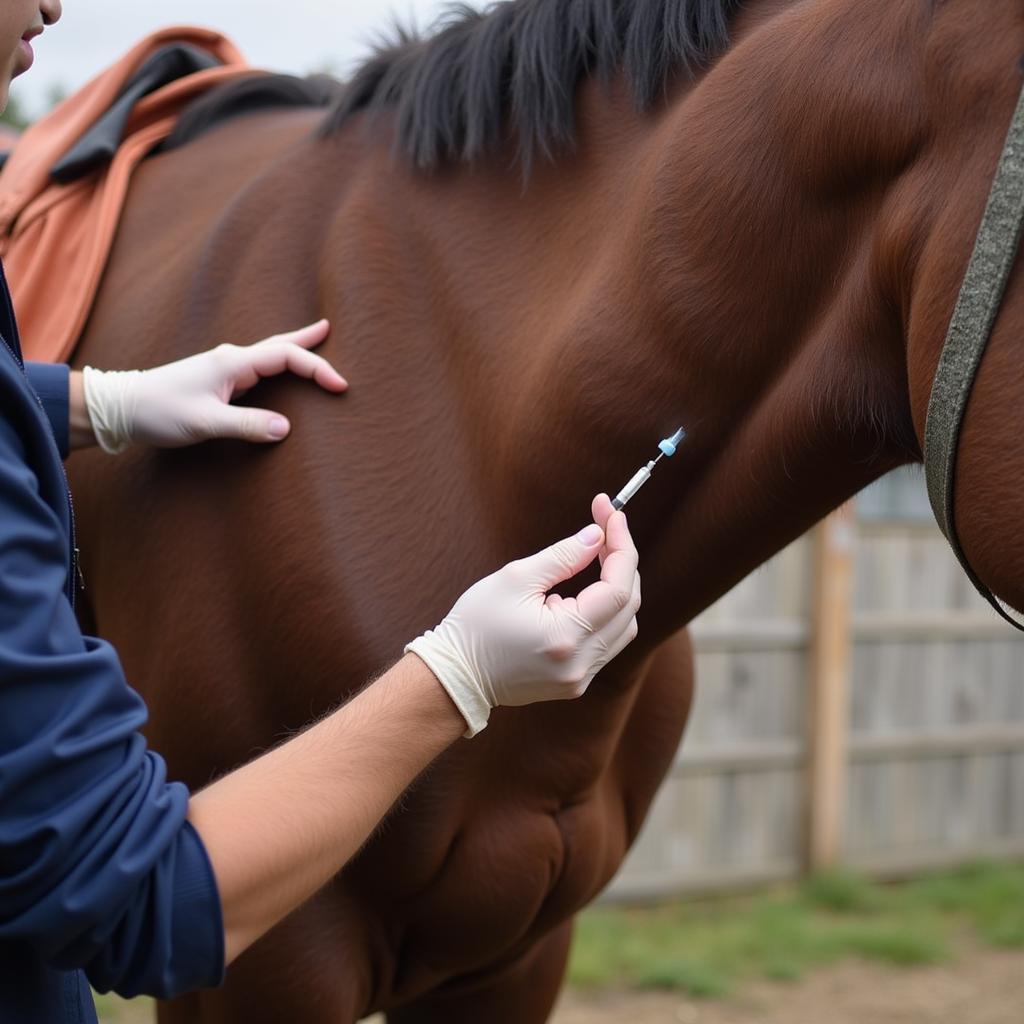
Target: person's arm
278,829
51,385
99,867
80,432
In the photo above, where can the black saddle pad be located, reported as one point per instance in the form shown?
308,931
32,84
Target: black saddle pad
99,144
177,60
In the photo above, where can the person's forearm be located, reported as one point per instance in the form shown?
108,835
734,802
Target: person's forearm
279,828
80,432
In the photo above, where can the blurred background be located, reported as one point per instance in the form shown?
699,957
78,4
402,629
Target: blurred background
859,719
858,705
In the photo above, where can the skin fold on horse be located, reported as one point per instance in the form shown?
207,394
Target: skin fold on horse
769,259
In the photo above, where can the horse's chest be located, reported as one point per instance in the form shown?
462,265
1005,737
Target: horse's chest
507,876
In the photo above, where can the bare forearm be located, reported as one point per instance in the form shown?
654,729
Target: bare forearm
80,432
279,828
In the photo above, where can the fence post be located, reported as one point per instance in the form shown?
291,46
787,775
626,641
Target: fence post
828,689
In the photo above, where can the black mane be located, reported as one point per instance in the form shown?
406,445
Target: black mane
518,64
248,95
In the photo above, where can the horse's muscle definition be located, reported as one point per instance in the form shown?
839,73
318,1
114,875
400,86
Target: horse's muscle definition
545,240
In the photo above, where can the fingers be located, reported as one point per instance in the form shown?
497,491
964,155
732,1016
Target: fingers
622,630
617,589
561,561
613,637
285,356
618,537
308,337
601,508
261,426
284,353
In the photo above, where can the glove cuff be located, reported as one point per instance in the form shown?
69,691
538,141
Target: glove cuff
453,674
106,399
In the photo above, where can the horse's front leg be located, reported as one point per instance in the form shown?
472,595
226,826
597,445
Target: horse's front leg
523,992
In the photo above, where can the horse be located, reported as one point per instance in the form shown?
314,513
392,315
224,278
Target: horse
546,236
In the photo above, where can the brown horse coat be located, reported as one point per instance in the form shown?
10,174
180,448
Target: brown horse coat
768,256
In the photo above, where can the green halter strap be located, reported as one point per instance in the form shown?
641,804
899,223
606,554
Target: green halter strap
976,309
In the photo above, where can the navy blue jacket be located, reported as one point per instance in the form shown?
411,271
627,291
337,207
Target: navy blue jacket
101,876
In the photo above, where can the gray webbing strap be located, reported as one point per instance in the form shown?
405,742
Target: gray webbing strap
976,309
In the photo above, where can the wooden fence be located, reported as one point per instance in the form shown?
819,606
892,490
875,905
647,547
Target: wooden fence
857,704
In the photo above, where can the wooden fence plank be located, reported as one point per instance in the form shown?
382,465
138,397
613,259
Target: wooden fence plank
829,685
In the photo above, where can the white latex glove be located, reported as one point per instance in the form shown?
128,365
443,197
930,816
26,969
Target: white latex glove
188,401
508,642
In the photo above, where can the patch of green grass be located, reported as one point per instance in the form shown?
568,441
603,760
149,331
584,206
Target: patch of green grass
696,977
901,946
840,891
708,947
783,969
988,896
112,1010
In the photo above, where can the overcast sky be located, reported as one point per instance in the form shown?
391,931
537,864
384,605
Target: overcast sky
282,35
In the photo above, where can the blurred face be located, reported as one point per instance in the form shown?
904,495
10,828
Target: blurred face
20,22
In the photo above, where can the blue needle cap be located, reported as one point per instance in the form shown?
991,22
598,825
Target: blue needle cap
669,445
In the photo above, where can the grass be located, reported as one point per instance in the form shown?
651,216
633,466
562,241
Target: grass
708,948
112,1010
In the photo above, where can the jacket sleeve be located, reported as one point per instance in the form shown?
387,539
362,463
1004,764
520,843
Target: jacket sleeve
99,868
50,382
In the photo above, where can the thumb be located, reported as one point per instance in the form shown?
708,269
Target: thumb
247,424
565,559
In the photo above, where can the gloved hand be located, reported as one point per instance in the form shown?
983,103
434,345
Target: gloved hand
188,401
508,642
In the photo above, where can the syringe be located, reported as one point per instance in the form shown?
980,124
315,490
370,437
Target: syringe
667,447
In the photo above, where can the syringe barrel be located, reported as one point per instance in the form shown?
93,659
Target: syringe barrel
639,479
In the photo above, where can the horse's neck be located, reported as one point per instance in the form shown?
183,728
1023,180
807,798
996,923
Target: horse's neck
787,374
714,268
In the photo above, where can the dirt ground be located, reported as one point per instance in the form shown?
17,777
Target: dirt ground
981,988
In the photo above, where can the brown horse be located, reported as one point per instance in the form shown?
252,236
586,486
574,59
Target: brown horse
600,220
